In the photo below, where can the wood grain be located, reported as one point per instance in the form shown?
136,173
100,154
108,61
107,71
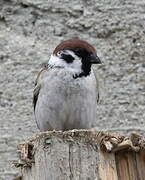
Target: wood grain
82,155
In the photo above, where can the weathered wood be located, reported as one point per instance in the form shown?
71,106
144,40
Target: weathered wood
140,160
107,166
126,166
82,155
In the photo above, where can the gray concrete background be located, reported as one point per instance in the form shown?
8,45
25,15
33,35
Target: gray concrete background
30,30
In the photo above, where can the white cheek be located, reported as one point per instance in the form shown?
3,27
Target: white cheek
74,67
56,61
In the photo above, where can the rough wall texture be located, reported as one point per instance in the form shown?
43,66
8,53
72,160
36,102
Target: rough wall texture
30,29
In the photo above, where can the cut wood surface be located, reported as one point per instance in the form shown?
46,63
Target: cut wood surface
82,155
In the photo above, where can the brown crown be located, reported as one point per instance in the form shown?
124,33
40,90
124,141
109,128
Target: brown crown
74,43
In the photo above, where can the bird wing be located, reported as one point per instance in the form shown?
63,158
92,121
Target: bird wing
38,86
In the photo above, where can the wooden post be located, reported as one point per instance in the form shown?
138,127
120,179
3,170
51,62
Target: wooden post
82,155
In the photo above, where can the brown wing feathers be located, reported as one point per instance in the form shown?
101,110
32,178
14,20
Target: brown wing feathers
37,86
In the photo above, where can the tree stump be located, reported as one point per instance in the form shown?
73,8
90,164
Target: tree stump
82,155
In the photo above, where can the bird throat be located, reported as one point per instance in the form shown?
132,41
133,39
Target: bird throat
86,70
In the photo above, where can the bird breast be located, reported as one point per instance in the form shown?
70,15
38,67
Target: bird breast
67,99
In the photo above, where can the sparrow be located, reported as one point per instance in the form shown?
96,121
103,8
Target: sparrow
65,94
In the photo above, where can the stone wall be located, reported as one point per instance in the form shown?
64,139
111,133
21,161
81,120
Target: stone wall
29,31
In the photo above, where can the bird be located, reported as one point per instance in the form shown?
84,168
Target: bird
66,89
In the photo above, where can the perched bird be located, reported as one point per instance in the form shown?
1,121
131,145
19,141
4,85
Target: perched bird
65,94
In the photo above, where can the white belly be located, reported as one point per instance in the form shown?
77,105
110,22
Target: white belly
66,103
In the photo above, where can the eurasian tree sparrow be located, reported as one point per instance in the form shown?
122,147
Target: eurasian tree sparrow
65,95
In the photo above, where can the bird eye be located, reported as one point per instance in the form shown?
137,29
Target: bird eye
59,53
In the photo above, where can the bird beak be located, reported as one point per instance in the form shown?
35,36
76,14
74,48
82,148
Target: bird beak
94,59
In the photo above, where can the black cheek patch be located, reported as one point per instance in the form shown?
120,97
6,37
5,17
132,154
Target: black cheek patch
67,58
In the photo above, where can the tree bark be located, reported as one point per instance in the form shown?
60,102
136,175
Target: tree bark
82,155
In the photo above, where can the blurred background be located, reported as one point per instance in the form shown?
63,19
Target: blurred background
31,29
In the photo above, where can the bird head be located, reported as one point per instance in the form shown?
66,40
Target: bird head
76,56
